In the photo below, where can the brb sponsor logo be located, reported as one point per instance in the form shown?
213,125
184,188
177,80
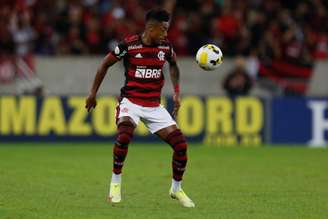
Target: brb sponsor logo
148,73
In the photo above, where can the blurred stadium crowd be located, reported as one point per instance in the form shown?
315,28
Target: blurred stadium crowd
295,31
238,27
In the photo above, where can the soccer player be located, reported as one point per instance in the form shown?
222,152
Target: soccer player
143,57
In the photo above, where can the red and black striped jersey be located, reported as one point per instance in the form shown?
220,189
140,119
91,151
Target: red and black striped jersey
143,65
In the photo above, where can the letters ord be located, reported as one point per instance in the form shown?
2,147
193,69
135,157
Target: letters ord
249,115
191,114
219,115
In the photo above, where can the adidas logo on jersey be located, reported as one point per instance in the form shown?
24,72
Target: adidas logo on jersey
138,56
134,47
148,73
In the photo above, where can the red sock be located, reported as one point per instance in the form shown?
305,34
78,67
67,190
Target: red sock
179,160
120,150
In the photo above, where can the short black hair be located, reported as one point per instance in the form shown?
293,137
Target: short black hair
160,15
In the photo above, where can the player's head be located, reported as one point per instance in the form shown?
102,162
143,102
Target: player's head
157,24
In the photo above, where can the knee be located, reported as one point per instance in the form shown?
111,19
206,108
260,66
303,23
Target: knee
125,133
177,141
123,139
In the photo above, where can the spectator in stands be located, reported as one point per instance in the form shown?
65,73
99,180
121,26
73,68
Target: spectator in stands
238,82
23,36
7,49
286,57
90,26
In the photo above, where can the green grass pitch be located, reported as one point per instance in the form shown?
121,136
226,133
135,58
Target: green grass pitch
71,181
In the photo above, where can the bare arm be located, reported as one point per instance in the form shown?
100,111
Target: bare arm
175,75
108,61
175,79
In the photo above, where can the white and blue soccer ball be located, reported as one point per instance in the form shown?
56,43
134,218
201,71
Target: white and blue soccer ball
209,57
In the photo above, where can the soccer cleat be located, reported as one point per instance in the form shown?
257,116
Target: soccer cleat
182,198
114,195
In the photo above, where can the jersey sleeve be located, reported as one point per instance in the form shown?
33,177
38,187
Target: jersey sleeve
120,50
172,58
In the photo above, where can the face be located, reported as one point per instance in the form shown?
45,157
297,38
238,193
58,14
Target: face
158,31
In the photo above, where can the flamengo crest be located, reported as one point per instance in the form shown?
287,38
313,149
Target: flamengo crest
161,55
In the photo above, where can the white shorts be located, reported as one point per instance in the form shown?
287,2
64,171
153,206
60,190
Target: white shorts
155,118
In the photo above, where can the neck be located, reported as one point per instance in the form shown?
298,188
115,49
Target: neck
146,39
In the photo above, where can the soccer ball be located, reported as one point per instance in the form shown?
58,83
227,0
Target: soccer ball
209,57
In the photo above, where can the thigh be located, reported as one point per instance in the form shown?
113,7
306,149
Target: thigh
163,133
126,119
157,118
126,111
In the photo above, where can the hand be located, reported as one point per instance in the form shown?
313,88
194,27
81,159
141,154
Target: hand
176,100
90,102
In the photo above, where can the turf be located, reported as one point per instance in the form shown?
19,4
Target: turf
71,181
